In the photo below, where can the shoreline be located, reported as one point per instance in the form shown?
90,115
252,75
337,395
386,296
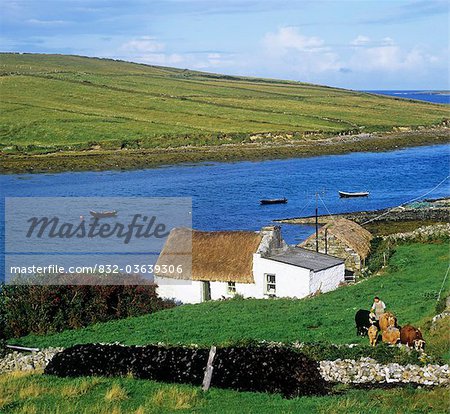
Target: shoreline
387,220
104,160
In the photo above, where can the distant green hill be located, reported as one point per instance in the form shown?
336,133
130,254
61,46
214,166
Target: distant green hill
51,102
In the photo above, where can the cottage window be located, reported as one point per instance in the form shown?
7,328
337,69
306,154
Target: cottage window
231,288
270,284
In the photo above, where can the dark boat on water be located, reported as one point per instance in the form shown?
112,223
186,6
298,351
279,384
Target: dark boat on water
344,194
274,201
103,214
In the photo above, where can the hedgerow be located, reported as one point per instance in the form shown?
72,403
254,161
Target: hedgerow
42,309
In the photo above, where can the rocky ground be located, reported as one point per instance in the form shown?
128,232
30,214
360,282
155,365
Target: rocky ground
367,370
27,361
434,210
423,233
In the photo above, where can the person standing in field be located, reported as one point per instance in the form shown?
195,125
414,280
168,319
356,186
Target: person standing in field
378,307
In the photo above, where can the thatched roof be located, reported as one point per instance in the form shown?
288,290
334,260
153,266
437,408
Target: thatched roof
225,256
349,232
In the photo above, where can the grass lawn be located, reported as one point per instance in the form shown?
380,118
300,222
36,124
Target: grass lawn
24,393
57,102
409,289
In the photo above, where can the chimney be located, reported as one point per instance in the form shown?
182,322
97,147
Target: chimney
273,236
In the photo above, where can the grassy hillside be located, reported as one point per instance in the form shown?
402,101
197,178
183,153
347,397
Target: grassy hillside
409,289
54,102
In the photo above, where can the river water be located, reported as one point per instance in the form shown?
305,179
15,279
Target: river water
226,195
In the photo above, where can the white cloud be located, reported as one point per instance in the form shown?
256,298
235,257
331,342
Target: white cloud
47,22
290,54
214,59
304,55
360,41
311,58
387,41
145,44
365,41
151,50
163,59
287,39
387,56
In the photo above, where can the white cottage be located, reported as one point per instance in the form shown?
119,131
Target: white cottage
253,264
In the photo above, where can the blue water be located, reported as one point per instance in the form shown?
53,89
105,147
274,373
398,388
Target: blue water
226,195
440,97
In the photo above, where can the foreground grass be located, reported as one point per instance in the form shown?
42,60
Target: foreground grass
24,393
409,289
57,102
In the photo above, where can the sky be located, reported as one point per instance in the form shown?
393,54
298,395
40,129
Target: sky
362,44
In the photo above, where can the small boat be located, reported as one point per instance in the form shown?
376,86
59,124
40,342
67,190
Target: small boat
344,194
274,201
102,214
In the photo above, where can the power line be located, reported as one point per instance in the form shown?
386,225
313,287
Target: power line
305,206
326,208
443,282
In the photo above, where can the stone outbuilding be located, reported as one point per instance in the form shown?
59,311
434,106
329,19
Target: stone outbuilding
345,239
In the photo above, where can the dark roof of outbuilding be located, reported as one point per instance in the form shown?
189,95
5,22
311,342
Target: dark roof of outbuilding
307,259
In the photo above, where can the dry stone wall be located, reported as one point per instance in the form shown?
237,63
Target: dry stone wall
347,371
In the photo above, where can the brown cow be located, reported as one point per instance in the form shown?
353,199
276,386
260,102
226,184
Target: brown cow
391,335
412,337
373,335
386,320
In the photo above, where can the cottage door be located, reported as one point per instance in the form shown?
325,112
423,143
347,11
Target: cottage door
206,291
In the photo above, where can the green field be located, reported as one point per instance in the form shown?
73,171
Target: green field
22,393
57,102
409,289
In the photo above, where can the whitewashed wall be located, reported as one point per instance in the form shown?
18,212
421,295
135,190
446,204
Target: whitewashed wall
186,291
220,289
327,279
291,281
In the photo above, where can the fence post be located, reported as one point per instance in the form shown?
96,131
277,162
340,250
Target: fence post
209,369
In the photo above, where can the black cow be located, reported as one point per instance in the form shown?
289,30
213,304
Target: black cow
363,322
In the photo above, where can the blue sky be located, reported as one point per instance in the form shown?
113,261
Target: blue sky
363,44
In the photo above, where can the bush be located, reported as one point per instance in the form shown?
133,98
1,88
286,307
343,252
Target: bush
130,144
2,348
252,368
42,309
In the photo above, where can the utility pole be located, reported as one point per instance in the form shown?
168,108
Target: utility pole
317,222
326,240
